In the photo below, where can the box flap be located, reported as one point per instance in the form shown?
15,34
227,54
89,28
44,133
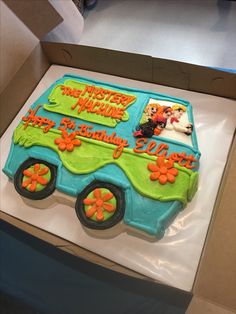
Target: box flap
199,305
216,278
145,68
194,77
21,86
38,15
20,21
107,61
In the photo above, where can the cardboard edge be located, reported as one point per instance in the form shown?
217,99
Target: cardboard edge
194,78
118,63
28,12
144,68
21,86
200,305
210,270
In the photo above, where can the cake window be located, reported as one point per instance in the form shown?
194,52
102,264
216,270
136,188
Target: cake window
165,119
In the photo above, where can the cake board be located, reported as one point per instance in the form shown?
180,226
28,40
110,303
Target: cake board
165,260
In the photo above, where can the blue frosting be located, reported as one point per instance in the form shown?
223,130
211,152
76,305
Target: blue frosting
143,213
135,113
148,215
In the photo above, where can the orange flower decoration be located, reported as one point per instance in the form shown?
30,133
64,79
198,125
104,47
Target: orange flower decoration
35,176
99,204
67,142
163,171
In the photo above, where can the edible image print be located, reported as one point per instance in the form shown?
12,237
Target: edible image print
165,119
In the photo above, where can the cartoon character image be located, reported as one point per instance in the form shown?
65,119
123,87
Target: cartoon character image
174,120
154,125
146,129
161,118
150,110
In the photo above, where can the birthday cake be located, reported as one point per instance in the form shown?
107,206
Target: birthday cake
127,155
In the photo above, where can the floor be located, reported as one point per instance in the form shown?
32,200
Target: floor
193,31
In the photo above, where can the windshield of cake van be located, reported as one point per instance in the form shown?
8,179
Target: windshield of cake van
165,119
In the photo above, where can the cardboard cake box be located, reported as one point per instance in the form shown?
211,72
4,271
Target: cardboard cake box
215,280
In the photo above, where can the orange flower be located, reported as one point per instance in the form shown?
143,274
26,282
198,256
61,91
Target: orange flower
67,141
99,204
163,171
35,176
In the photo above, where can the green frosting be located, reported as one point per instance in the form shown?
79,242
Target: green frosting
106,214
92,154
63,103
39,187
193,185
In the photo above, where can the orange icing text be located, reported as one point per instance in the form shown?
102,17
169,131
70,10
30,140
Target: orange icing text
90,99
101,135
38,120
161,151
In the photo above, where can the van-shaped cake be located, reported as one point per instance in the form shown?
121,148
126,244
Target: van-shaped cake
125,154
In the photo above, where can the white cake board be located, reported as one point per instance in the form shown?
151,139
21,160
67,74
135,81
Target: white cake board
174,259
